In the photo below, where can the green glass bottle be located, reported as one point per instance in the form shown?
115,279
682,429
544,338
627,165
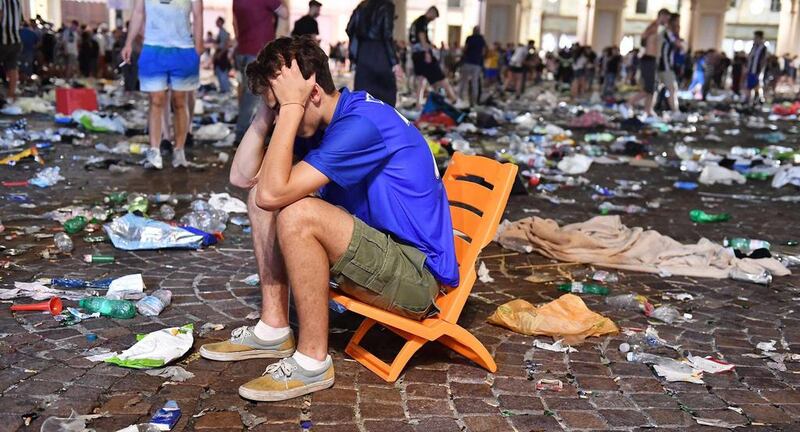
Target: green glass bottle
745,244
583,288
116,198
758,175
121,309
700,216
75,225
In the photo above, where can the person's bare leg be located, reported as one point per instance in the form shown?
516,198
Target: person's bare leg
649,104
269,261
674,104
421,84
157,104
312,235
180,117
13,78
191,99
167,133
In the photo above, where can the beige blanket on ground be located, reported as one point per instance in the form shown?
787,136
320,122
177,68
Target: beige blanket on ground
606,242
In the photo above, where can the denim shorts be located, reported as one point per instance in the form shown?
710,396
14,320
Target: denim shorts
381,272
162,68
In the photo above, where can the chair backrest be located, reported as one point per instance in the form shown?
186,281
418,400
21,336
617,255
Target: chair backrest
478,189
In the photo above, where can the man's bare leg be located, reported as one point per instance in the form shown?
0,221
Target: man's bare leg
271,269
649,104
13,78
312,234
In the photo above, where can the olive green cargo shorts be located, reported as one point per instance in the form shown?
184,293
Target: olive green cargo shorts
392,276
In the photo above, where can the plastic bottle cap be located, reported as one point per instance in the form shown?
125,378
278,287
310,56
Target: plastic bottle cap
624,347
91,337
630,356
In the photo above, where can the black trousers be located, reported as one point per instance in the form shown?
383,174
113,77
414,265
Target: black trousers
374,72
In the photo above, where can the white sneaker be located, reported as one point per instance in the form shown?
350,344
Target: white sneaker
179,159
154,159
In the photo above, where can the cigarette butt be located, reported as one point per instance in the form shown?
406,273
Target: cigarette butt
122,64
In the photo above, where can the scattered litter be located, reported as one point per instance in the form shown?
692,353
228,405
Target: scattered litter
555,346
208,328
172,373
483,274
156,349
545,384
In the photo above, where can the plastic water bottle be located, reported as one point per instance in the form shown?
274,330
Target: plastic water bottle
745,244
167,212
155,303
700,216
80,283
640,357
63,242
583,288
121,309
631,302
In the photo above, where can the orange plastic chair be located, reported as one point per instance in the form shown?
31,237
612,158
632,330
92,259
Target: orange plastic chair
476,209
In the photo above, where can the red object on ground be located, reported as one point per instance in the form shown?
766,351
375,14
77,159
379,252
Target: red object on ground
15,183
786,110
71,99
53,305
437,118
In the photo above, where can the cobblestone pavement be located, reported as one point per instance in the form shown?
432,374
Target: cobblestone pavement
43,371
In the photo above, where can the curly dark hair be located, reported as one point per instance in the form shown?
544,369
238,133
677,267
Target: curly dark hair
310,59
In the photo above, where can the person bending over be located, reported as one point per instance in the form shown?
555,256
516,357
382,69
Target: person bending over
364,206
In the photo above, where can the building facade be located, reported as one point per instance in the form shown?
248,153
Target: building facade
721,24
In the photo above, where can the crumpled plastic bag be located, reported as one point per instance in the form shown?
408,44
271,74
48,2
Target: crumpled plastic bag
93,122
131,232
47,177
156,349
575,164
227,203
565,318
212,132
73,423
713,174
34,104
786,175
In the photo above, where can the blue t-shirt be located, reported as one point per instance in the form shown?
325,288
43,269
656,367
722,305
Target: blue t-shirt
382,171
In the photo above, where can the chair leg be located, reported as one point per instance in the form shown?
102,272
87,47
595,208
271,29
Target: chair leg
389,372
463,342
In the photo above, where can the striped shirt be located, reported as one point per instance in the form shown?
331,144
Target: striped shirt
667,56
9,27
755,61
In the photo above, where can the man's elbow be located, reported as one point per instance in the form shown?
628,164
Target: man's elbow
265,200
240,182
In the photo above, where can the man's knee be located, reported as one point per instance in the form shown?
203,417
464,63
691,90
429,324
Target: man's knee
179,100
297,218
158,100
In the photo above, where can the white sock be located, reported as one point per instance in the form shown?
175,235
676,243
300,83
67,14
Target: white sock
308,363
267,332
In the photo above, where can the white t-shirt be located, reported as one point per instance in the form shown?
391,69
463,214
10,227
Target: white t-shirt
167,23
518,58
71,38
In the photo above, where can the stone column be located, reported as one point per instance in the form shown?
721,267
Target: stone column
706,26
789,28
600,23
400,24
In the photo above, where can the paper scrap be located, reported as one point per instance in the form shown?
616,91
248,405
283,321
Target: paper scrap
556,346
709,364
483,274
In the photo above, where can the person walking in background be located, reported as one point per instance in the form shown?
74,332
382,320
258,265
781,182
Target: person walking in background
737,72
377,68
426,66
30,42
472,66
491,65
222,61
307,24
10,43
88,54
756,62
254,23
666,61
611,69
72,38
648,63
170,60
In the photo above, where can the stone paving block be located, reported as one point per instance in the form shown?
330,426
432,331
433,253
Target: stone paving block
470,390
596,383
698,401
633,385
384,425
328,413
669,417
764,413
535,422
486,423
582,420
611,400
781,396
379,394
520,403
428,407
427,391
467,406
623,418
219,420
370,410
126,404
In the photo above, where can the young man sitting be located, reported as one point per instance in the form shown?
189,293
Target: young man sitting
379,224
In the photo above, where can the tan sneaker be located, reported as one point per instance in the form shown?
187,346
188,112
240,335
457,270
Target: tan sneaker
286,380
244,344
